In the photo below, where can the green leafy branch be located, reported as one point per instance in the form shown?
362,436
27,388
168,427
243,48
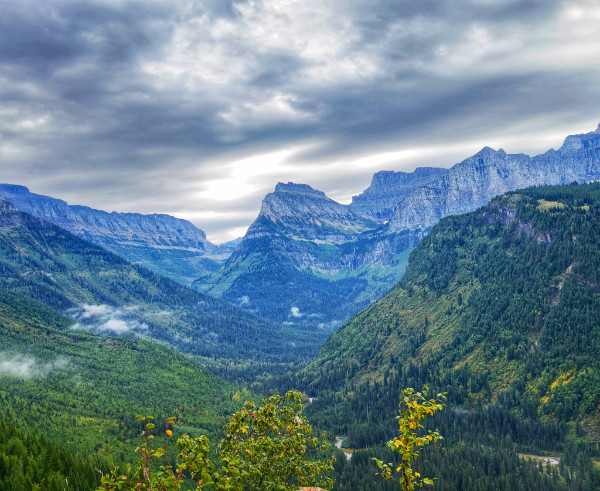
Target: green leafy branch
265,447
414,408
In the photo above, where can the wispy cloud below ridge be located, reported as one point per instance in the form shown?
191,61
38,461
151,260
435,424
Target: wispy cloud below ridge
28,367
105,319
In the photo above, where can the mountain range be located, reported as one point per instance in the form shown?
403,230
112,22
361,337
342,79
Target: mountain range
499,309
170,246
300,261
388,188
104,293
307,260
514,281
474,181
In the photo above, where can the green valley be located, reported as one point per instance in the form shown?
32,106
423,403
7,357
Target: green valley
310,262
285,245
498,308
105,293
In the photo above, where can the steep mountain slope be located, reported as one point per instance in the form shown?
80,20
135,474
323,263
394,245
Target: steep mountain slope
388,188
170,246
507,296
499,308
108,294
303,261
488,173
290,206
82,390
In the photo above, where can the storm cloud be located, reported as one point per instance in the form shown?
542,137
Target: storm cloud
198,108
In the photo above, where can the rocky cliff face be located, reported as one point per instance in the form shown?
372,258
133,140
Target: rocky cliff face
307,259
475,181
5,205
169,245
388,188
304,261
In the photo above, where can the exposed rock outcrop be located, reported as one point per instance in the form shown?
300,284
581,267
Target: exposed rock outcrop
299,211
475,181
329,260
303,260
388,188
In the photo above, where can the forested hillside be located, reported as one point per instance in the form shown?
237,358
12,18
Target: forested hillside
82,391
105,293
307,260
499,308
27,461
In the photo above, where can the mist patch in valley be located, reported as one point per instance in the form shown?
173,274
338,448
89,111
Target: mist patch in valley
27,367
106,319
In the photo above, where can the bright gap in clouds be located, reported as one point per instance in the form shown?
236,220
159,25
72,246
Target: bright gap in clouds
246,176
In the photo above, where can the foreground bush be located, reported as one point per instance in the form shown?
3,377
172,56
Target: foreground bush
266,447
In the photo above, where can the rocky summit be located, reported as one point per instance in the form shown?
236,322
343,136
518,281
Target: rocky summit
306,213
388,188
307,260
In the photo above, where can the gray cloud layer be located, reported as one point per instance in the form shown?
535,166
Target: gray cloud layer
198,108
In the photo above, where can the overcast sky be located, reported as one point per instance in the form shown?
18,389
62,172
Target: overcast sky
198,108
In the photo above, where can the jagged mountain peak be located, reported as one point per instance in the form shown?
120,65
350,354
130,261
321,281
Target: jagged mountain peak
318,257
488,151
291,265
488,173
510,285
301,209
302,189
487,156
293,201
581,141
388,188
